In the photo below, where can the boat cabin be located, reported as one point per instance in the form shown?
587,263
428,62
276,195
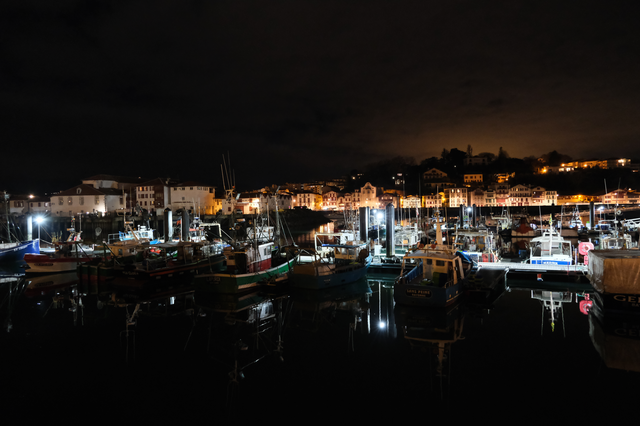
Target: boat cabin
430,267
346,253
551,248
249,258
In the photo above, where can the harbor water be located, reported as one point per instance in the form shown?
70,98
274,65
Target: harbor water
75,352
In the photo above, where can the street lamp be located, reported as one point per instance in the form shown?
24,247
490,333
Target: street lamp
39,220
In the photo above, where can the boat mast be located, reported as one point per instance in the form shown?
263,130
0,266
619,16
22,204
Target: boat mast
277,219
438,229
6,209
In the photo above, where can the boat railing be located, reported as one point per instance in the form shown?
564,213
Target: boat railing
412,274
153,264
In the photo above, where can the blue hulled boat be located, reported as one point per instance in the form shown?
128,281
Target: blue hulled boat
432,275
346,263
14,252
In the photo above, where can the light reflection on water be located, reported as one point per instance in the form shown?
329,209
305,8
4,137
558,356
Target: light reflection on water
286,349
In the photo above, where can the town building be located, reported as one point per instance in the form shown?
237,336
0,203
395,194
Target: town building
501,193
153,195
455,197
472,178
85,198
519,195
20,204
388,197
410,202
308,199
195,196
432,201
542,197
620,196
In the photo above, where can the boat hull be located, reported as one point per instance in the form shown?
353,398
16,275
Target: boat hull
129,276
15,252
318,282
233,283
43,264
421,295
96,272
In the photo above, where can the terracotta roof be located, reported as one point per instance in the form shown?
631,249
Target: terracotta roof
89,190
191,183
122,179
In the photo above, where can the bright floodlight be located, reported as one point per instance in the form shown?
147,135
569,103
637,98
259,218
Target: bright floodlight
39,220
380,216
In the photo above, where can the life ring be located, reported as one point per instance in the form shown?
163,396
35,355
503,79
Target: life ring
584,247
585,305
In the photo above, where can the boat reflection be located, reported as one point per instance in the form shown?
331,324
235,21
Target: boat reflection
616,338
41,285
553,296
12,271
433,331
339,305
244,329
11,291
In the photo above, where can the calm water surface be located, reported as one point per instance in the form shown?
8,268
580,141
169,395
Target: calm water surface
347,355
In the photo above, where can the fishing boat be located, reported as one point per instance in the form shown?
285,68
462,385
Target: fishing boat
344,264
66,257
433,275
478,244
252,261
550,249
125,245
407,236
14,252
141,234
247,266
168,262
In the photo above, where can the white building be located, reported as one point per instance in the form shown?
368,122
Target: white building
432,201
308,199
258,202
520,195
194,196
456,196
541,197
87,199
28,204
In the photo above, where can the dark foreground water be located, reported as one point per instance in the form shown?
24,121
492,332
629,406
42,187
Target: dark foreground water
347,356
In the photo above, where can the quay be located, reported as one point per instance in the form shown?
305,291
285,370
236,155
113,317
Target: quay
527,267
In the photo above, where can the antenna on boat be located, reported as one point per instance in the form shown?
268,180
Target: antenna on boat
438,229
6,207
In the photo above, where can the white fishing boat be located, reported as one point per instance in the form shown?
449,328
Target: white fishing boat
478,244
66,257
550,249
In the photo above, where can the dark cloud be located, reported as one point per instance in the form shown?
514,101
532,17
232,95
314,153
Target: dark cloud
296,90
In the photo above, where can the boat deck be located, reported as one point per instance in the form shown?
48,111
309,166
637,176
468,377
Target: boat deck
527,267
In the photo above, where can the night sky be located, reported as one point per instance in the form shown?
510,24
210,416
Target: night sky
298,90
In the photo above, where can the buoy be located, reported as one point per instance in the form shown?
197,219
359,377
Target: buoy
584,247
585,305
